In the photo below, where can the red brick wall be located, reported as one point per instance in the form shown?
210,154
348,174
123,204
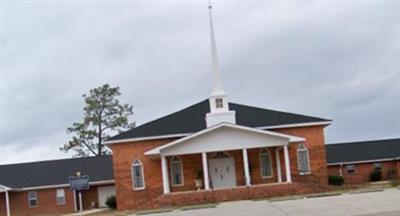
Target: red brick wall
362,172
2,204
240,193
315,143
125,153
88,197
398,169
47,204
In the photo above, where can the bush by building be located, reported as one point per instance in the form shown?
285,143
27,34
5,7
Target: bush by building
111,202
335,180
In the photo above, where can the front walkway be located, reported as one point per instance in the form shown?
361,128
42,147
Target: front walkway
383,203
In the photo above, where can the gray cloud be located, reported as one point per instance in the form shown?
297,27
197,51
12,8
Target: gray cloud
331,59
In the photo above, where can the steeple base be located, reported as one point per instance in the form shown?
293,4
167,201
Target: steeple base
219,117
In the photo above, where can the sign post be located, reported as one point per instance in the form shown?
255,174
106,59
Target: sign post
79,183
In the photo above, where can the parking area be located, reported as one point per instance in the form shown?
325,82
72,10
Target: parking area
382,203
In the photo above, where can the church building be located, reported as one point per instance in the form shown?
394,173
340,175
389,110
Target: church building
216,150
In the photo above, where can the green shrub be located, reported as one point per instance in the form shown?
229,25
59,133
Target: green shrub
111,202
375,175
336,180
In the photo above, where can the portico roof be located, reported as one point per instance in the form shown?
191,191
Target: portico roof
224,137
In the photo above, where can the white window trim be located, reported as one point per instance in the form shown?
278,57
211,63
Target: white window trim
133,176
36,198
181,168
380,166
219,103
347,170
300,148
270,163
65,201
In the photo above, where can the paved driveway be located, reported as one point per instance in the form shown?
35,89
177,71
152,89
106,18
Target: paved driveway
384,203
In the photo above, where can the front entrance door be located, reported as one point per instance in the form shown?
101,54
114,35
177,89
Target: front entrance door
222,171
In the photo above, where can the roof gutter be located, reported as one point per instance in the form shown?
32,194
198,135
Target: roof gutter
363,161
111,142
95,183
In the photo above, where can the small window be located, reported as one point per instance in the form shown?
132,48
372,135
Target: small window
265,163
60,197
303,159
219,103
377,166
350,169
137,175
176,172
32,199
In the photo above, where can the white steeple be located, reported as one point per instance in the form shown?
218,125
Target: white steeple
219,105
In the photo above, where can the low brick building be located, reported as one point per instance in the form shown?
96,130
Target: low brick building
355,161
42,188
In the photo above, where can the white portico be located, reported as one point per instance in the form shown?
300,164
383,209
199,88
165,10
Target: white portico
212,142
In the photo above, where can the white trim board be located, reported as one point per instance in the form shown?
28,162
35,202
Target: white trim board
364,161
179,135
283,137
295,125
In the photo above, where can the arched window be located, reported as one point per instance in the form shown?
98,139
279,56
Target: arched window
265,163
303,159
176,172
137,175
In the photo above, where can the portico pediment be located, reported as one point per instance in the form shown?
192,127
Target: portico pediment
224,137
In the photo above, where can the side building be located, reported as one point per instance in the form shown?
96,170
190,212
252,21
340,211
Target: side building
355,161
42,188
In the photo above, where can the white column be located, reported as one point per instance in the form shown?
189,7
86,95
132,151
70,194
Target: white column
75,203
205,171
246,167
278,165
287,163
8,204
164,169
340,170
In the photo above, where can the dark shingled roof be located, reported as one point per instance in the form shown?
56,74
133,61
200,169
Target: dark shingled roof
363,151
55,172
192,119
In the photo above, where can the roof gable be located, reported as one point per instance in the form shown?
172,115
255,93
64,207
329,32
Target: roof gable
222,137
192,119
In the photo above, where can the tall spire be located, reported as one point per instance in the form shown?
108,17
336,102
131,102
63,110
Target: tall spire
217,84
219,105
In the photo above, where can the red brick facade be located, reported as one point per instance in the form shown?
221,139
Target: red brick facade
46,202
362,171
152,196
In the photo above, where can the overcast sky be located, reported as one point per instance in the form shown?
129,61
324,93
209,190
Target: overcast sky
331,59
